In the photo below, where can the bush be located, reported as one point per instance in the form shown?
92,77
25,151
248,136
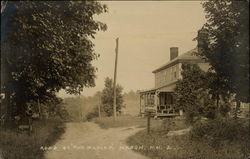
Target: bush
92,115
184,147
222,131
175,124
23,146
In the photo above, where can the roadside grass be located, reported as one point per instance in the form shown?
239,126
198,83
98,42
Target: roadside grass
125,121
23,146
158,145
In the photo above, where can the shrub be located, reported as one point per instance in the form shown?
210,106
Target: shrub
174,124
184,147
23,146
222,131
92,114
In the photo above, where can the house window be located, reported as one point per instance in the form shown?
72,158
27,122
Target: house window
173,73
166,76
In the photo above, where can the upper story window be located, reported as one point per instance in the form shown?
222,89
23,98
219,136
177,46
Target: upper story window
173,72
167,76
175,75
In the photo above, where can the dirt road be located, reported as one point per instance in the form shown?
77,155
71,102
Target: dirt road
88,141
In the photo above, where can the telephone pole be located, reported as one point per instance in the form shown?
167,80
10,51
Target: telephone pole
80,107
99,108
116,60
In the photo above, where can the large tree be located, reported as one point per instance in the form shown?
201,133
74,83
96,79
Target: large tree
48,47
192,95
224,42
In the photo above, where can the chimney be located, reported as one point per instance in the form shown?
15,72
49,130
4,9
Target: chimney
173,52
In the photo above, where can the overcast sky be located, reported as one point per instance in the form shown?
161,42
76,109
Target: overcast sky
146,31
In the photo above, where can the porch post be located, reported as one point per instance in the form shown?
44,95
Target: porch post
181,112
156,100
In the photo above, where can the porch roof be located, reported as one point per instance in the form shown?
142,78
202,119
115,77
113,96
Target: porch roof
148,91
166,88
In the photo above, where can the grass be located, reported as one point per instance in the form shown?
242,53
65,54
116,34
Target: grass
125,121
158,145
22,146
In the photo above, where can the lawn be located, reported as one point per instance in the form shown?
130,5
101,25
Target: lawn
23,146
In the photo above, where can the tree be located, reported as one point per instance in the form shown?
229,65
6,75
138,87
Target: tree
191,94
224,43
132,95
48,47
217,87
108,96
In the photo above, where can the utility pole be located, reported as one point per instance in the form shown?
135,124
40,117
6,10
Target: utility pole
116,60
99,108
80,107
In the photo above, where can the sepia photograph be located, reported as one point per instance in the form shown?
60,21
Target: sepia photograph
131,79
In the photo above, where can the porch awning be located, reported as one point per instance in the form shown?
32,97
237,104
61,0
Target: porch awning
148,91
167,89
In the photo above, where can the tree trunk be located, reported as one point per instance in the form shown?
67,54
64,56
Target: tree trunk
217,104
20,103
8,121
237,108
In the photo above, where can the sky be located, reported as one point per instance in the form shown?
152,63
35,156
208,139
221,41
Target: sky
146,31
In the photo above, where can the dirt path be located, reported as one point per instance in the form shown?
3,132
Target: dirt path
88,141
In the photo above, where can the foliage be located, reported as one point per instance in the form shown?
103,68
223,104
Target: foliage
23,146
202,94
93,114
108,96
48,48
174,124
222,131
82,107
223,42
53,108
74,106
131,102
132,95
191,95
217,86
158,146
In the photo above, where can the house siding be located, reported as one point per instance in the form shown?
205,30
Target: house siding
173,73
168,75
161,98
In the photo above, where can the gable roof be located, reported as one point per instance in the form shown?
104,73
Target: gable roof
185,57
